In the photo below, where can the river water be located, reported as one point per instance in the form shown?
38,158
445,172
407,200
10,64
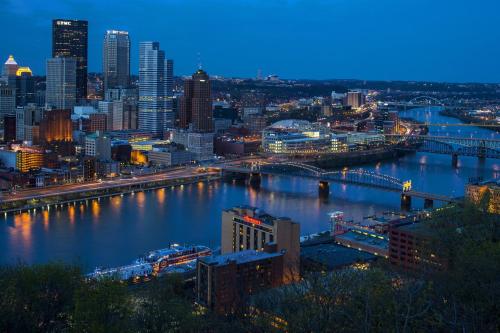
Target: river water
116,230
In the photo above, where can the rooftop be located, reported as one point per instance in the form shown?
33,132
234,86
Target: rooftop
334,256
291,124
11,61
256,213
239,257
366,238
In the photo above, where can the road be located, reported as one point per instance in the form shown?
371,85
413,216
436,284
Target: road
27,194
175,173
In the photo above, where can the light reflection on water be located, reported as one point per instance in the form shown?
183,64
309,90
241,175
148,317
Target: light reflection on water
114,231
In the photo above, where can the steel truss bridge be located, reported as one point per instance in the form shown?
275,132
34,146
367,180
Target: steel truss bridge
355,177
457,146
419,101
425,100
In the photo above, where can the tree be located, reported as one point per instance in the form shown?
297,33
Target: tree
102,306
37,298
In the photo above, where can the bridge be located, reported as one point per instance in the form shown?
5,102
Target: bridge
454,146
419,101
356,177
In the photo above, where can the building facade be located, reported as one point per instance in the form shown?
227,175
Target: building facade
98,146
196,104
56,126
410,248
25,87
354,99
70,40
154,115
61,89
224,282
7,102
247,228
116,59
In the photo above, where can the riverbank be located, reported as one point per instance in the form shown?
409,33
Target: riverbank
57,198
364,157
457,114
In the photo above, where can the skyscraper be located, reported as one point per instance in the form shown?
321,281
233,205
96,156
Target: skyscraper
169,82
56,126
70,39
196,104
9,71
154,114
7,102
61,83
10,67
25,87
116,59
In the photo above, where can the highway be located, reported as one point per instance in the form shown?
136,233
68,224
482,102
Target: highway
34,193
174,173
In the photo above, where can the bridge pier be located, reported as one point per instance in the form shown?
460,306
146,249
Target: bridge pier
454,160
255,179
323,189
405,202
234,176
428,203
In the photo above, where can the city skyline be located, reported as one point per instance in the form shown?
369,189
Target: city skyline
392,41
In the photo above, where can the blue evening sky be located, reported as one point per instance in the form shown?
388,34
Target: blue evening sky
437,40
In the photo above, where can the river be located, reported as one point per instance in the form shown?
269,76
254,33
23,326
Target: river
116,230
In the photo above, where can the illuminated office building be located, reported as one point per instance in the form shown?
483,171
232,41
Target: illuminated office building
154,114
116,59
70,40
61,90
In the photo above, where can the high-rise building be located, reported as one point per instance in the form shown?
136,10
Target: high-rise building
25,87
127,97
114,112
169,82
196,104
154,114
247,228
60,90
70,39
7,102
98,122
9,71
116,59
98,145
354,99
27,117
56,126
9,127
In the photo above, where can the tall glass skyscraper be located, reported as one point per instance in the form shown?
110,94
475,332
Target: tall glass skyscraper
61,90
116,59
70,39
155,113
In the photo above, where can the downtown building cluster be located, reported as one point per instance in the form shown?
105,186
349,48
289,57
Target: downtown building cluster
81,126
